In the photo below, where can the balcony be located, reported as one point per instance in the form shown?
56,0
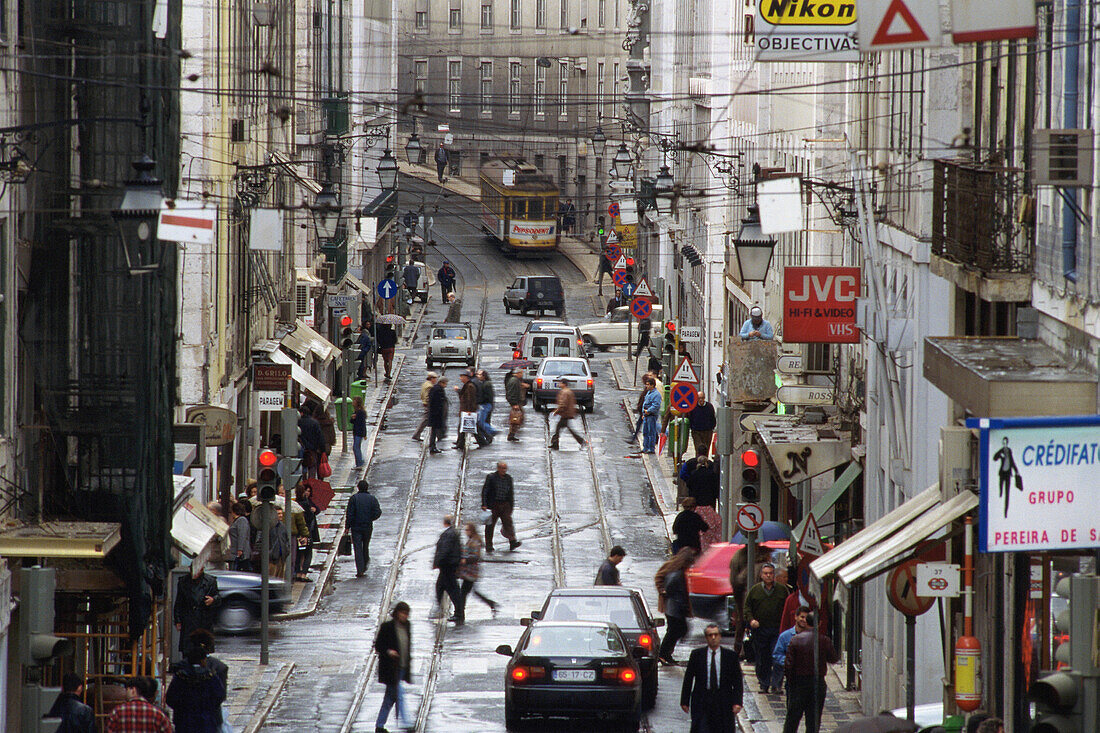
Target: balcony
981,241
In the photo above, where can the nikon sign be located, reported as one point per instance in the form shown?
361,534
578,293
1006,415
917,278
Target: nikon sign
806,30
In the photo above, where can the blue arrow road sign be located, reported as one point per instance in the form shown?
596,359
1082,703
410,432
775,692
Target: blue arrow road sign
387,288
628,289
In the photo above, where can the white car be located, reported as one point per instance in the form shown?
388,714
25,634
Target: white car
556,372
613,329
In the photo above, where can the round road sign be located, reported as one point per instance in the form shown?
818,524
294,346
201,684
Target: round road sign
387,288
750,517
641,308
683,397
619,276
613,252
628,288
901,590
613,209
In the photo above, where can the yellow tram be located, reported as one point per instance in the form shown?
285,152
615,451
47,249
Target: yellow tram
519,206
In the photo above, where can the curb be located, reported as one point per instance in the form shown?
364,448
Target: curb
653,473
260,717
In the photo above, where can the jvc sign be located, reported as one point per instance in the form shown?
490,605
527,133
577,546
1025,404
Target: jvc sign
819,305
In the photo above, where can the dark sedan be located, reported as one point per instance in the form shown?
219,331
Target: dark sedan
239,599
621,606
576,669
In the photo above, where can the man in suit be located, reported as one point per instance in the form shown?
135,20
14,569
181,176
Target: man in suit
713,686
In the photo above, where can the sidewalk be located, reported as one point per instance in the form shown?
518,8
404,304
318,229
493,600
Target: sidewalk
578,251
761,713
253,689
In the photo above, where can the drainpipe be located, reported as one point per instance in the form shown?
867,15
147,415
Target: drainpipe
1069,121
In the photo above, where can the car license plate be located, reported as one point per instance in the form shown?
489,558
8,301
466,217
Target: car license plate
574,675
450,349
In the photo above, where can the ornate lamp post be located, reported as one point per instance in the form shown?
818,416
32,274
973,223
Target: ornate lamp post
754,249
137,215
387,170
413,148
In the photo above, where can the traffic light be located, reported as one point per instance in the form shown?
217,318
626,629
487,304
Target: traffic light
391,267
409,219
630,268
267,479
37,644
347,336
600,227
669,346
750,475
289,431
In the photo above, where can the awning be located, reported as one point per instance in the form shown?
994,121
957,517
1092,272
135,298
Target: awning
800,450
357,284
303,340
825,503
194,526
296,172
60,539
860,556
304,379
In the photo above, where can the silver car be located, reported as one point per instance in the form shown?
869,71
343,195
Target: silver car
450,343
556,372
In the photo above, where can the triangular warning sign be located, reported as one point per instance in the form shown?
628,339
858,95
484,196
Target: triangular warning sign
612,237
686,372
620,264
810,542
914,34
643,290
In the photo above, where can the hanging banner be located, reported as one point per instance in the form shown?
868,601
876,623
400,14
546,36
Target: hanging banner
972,21
806,30
1038,483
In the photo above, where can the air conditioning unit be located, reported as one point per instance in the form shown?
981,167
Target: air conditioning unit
1063,158
956,460
328,273
288,311
302,305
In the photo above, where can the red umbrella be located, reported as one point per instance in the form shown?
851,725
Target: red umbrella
517,364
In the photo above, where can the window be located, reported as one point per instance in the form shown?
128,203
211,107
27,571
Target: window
540,14
615,82
422,20
563,89
514,87
514,17
487,16
601,87
485,89
540,90
454,19
454,86
601,13
564,22
421,74
534,212
563,172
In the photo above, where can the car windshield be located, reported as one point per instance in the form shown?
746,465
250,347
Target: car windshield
565,366
449,333
545,284
618,610
574,641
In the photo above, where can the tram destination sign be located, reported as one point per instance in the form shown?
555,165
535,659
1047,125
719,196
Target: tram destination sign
1038,483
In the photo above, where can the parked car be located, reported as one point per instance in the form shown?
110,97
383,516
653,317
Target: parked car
539,293
450,343
555,372
621,606
577,669
548,338
239,599
616,326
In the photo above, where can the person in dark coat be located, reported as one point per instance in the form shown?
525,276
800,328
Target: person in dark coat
196,692
311,439
441,159
366,349
467,402
713,689
328,427
394,646
485,398
515,391
701,480
446,277
808,658
498,497
448,556
437,414
608,572
362,510
672,586
196,604
240,537
303,494
387,342
358,430
687,526
702,421
76,717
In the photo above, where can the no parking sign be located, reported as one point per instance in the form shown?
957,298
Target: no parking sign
684,397
641,308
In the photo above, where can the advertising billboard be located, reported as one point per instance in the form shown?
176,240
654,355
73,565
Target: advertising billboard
806,30
1038,483
819,305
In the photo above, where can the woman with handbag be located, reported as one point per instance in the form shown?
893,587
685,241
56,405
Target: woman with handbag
469,570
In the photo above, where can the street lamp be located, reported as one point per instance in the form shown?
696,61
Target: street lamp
136,216
387,170
413,149
599,140
326,213
754,249
663,188
622,163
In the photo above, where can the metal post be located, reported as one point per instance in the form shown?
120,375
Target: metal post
910,667
265,562
750,538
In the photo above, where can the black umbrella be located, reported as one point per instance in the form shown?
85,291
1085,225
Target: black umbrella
881,723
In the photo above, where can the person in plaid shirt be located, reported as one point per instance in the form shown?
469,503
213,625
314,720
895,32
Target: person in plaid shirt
138,714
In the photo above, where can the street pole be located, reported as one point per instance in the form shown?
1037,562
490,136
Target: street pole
265,591
910,668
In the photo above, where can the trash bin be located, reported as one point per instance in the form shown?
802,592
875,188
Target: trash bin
953,724
358,388
343,412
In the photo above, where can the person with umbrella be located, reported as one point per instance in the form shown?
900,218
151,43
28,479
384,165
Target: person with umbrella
387,343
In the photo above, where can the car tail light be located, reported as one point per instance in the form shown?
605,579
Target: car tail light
627,675
646,640
516,354
522,674
538,382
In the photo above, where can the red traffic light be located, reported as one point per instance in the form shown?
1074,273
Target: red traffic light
750,458
345,321
630,262
389,259
671,326
268,457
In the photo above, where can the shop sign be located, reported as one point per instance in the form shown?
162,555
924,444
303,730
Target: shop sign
220,424
806,30
819,305
1038,483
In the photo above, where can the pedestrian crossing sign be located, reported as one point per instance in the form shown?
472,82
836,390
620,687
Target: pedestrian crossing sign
620,264
644,291
612,237
685,372
810,542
